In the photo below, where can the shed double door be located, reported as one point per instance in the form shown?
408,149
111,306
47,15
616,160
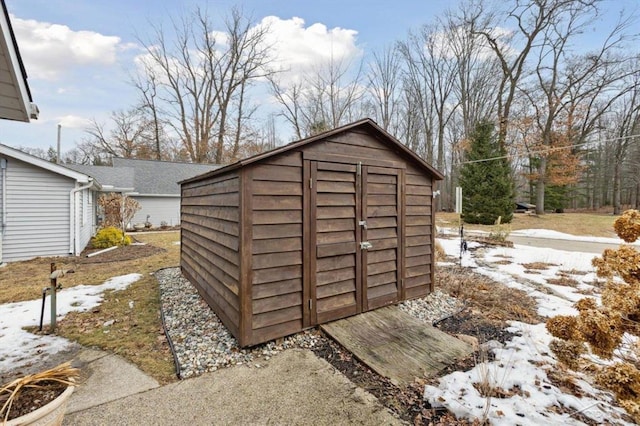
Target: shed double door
354,225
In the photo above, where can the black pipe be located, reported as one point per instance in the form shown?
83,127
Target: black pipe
44,296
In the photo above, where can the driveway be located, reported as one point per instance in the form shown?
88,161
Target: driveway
562,244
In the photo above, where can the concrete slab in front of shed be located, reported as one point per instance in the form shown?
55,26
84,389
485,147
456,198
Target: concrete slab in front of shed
396,345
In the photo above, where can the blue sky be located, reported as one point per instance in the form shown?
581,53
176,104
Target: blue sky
79,53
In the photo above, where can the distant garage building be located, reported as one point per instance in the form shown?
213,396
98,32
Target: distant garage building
323,228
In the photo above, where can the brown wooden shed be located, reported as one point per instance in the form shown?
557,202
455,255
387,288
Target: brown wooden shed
320,229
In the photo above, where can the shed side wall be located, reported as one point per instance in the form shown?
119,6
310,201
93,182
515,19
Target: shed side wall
418,233
210,243
277,241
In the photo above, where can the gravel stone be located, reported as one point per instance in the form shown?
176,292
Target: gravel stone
201,343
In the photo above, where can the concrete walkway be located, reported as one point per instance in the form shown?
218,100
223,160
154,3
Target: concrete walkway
294,387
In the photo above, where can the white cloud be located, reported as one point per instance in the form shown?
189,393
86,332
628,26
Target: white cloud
295,50
74,121
299,49
49,50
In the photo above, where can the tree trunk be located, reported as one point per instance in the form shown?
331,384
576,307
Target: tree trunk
616,189
542,171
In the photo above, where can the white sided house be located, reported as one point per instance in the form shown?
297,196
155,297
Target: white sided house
152,183
45,209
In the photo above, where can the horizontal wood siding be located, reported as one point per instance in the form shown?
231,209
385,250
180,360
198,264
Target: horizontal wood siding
276,245
336,238
159,209
418,233
38,212
210,243
383,214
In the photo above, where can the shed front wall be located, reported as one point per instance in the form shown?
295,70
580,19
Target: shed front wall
303,211
210,244
37,211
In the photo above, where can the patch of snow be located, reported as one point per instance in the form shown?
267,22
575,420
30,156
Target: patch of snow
521,367
19,347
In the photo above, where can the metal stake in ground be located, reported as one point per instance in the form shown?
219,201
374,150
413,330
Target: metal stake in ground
55,274
54,284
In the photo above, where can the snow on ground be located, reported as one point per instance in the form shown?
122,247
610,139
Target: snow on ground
19,347
520,367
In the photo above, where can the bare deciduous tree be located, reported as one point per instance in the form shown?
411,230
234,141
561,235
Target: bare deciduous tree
128,135
201,79
322,99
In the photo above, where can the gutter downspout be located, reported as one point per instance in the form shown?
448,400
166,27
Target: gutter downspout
3,223
74,223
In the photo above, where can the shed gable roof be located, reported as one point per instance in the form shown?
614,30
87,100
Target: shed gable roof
366,124
15,97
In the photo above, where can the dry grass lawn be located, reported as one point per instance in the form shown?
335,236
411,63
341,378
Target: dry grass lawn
595,224
137,333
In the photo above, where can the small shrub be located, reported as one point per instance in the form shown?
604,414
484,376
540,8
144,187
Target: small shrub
109,237
563,327
568,352
627,226
439,251
499,232
623,379
602,327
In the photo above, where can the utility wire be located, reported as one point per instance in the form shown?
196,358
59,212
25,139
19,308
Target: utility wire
543,151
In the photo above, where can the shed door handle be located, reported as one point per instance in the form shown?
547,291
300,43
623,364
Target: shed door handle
366,245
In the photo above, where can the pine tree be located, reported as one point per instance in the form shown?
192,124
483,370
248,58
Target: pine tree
487,186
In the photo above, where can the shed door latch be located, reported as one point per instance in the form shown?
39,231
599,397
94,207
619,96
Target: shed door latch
363,223
365,245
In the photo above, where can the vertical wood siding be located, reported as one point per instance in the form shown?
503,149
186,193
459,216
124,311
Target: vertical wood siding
210,243
418,233
38,213
276,247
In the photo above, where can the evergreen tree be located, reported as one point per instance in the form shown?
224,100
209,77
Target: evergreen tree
487,186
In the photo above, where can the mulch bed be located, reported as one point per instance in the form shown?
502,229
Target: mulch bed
120,254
